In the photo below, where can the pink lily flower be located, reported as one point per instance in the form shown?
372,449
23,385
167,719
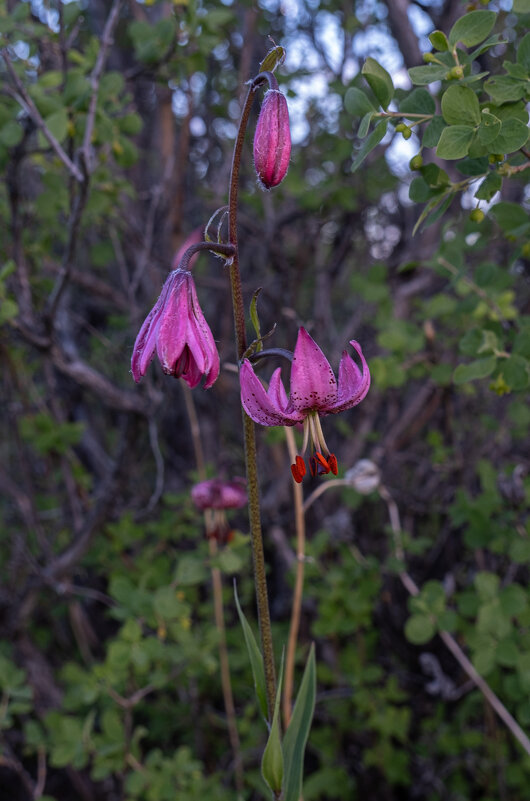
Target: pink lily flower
272,140
214,493
176,328
314,393
213,497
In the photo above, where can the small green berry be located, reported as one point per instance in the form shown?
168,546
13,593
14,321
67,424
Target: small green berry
406,132
416,162
429,58
493,158
400,127
477,215
455,73
525,250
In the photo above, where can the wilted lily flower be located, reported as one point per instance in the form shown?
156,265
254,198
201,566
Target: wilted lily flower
176,328
314,393
272,140
218,494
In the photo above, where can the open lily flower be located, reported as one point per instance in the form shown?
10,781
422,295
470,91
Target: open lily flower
176,329
314,393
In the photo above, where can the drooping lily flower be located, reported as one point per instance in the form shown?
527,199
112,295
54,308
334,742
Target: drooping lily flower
314,393
176,328
214,493
213,497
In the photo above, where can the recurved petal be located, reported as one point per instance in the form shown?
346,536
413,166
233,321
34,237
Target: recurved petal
313,383
353,384
278,395
260,406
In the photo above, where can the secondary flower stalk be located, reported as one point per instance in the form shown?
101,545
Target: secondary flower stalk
314,393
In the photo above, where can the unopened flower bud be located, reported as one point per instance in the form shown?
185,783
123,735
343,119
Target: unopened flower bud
272,140
364,476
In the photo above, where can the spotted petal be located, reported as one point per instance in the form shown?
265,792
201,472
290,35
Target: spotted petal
264,408
353,385
313,383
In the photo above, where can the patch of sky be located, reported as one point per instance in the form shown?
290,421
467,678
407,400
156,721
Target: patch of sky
399,153
330,37
197,126
422,25
376,42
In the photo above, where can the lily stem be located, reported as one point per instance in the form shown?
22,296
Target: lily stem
258,557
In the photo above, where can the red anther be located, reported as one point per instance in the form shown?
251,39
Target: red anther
332,463
323,463
298,469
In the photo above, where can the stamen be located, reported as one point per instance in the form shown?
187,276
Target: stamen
323,462
332,462
298,469
319,440
306,434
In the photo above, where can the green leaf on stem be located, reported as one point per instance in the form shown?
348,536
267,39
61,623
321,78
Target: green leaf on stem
427,74
505,89
480,368
489,186
523,52
372,141
419,101
379,81
454,142
460,106
364,125
295,739
472,28
256,659
272,760
513,135
357,103
255,318
433,131
489,127
438,39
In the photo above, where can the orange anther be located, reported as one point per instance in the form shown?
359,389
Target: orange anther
332,463
298,469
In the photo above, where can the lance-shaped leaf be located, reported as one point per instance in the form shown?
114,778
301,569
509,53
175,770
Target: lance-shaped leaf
295,739
372,141
256,660
272,760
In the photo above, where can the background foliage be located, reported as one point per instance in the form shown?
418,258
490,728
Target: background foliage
108,656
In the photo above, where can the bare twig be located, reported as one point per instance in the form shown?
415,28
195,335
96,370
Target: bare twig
31,109
95,77
412,588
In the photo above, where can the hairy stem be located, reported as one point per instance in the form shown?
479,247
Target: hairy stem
258,557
